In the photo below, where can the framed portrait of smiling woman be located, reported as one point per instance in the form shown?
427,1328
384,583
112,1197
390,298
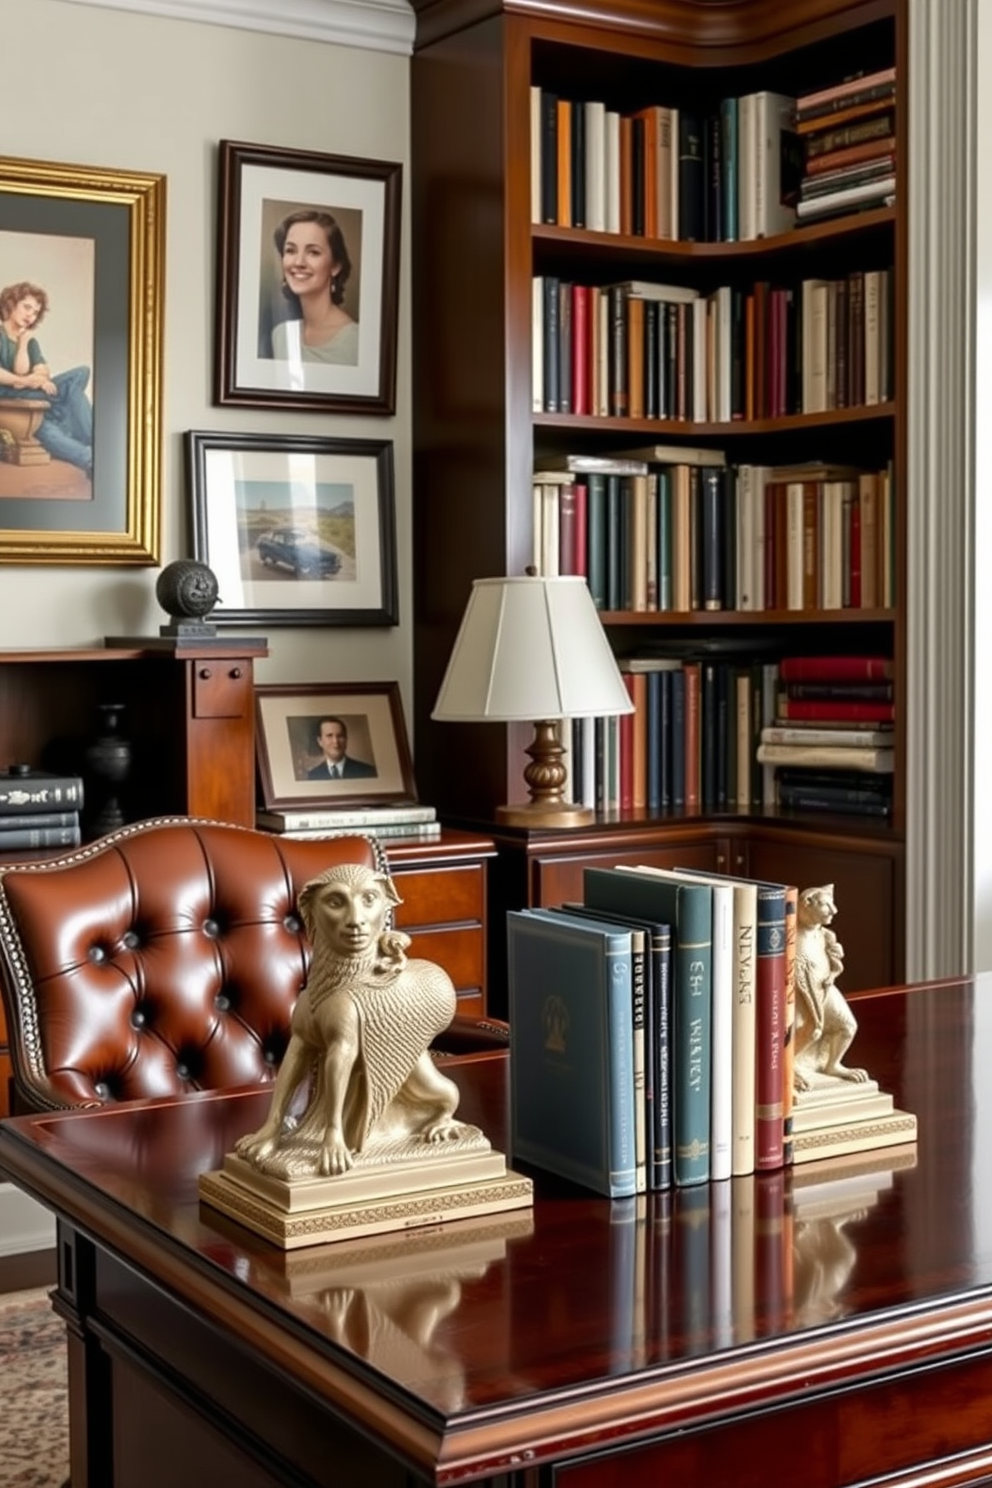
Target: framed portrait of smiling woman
307,280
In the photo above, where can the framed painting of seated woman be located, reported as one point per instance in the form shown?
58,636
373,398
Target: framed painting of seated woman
307,280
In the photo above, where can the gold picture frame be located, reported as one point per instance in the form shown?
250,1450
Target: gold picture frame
93,240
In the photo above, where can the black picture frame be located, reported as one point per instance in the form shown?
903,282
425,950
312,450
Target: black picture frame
260,187
283,520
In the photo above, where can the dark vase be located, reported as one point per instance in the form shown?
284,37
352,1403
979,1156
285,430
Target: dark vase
108,765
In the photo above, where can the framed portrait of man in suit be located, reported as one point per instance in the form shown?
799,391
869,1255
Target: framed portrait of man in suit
325,744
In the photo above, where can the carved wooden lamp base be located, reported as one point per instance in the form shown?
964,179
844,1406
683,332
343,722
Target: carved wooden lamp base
546,777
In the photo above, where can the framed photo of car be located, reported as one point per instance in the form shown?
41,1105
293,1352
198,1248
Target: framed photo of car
299,530
325,744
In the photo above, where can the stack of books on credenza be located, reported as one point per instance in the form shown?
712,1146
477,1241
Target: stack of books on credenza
400,819
38,810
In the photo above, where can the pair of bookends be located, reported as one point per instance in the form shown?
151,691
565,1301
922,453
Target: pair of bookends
377,1146
837,1108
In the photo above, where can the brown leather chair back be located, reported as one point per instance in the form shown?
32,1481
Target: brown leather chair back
163,959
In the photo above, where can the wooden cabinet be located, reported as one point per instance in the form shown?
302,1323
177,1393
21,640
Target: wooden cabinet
188,714
478,435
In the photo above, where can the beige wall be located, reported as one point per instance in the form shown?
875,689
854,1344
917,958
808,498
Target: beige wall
107,87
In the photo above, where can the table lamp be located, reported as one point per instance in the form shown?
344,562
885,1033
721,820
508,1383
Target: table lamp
533,650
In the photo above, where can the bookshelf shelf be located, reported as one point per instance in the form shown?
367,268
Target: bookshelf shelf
477,252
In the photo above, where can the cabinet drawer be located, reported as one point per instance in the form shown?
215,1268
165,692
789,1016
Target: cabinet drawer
221,687
440,896
459,952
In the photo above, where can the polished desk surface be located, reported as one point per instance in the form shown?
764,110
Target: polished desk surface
481,1346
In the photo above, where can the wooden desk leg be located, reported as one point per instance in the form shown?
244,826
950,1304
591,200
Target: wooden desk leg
90,1403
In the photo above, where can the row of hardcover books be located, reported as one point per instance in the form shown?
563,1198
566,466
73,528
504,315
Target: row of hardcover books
394,819
656,536
650,1030
645,350
745,168
39,810
718,735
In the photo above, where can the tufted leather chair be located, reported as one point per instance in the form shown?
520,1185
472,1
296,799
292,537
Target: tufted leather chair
165,958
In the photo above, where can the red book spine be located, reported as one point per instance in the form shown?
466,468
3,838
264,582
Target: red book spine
581,349
581,528
854,555
769,1140
819,710
835,669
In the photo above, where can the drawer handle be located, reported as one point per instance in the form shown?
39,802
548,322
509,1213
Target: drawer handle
235,673
205,674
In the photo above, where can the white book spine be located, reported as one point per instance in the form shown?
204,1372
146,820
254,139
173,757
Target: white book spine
535,153
595,166
745,166
725,349
794,498
550,530
721,1036
872,348
773,116
745,1027
612,171
833,544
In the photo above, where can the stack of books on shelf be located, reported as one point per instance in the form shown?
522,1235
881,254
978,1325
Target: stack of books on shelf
831,744
652,1037
671,529
691,743
644,350
39,810
397,819
848,138
718,174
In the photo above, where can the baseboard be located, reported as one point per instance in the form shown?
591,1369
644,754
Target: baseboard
24,1224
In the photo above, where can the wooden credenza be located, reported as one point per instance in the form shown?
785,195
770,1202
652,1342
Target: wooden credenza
823,1327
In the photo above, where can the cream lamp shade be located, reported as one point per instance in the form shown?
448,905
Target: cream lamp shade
533,649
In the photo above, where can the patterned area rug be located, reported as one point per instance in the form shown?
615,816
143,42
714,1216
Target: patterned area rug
34,1416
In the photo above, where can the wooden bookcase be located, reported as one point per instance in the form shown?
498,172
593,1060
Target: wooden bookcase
476,438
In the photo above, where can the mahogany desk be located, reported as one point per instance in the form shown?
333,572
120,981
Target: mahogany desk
751,1333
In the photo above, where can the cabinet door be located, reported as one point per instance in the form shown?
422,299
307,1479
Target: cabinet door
558,878
864,891
221,740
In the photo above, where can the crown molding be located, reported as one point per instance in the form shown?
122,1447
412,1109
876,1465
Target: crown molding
378,25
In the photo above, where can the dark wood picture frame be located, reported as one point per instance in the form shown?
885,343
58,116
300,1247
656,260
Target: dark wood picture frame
260,188
283,519
287,716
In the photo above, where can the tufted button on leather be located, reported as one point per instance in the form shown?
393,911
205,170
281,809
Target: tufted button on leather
269,1056
211,929
292,924
96,954
102,1089
139,1018
182,1070
130,940
222,1002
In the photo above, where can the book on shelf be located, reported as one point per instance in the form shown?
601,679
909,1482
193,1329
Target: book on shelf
830,734
837,668
825,756
39,791
578,464
821,798
419,831
17,839
833,136
657,1037
868,88
868,194
836,710
316,818
571,1065
35,820
688,909
776,163
674,454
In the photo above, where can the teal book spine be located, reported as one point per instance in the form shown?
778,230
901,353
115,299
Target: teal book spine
688,908
571,1049
728,143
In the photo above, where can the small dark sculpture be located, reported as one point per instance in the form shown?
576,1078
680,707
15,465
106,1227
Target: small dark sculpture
187,591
